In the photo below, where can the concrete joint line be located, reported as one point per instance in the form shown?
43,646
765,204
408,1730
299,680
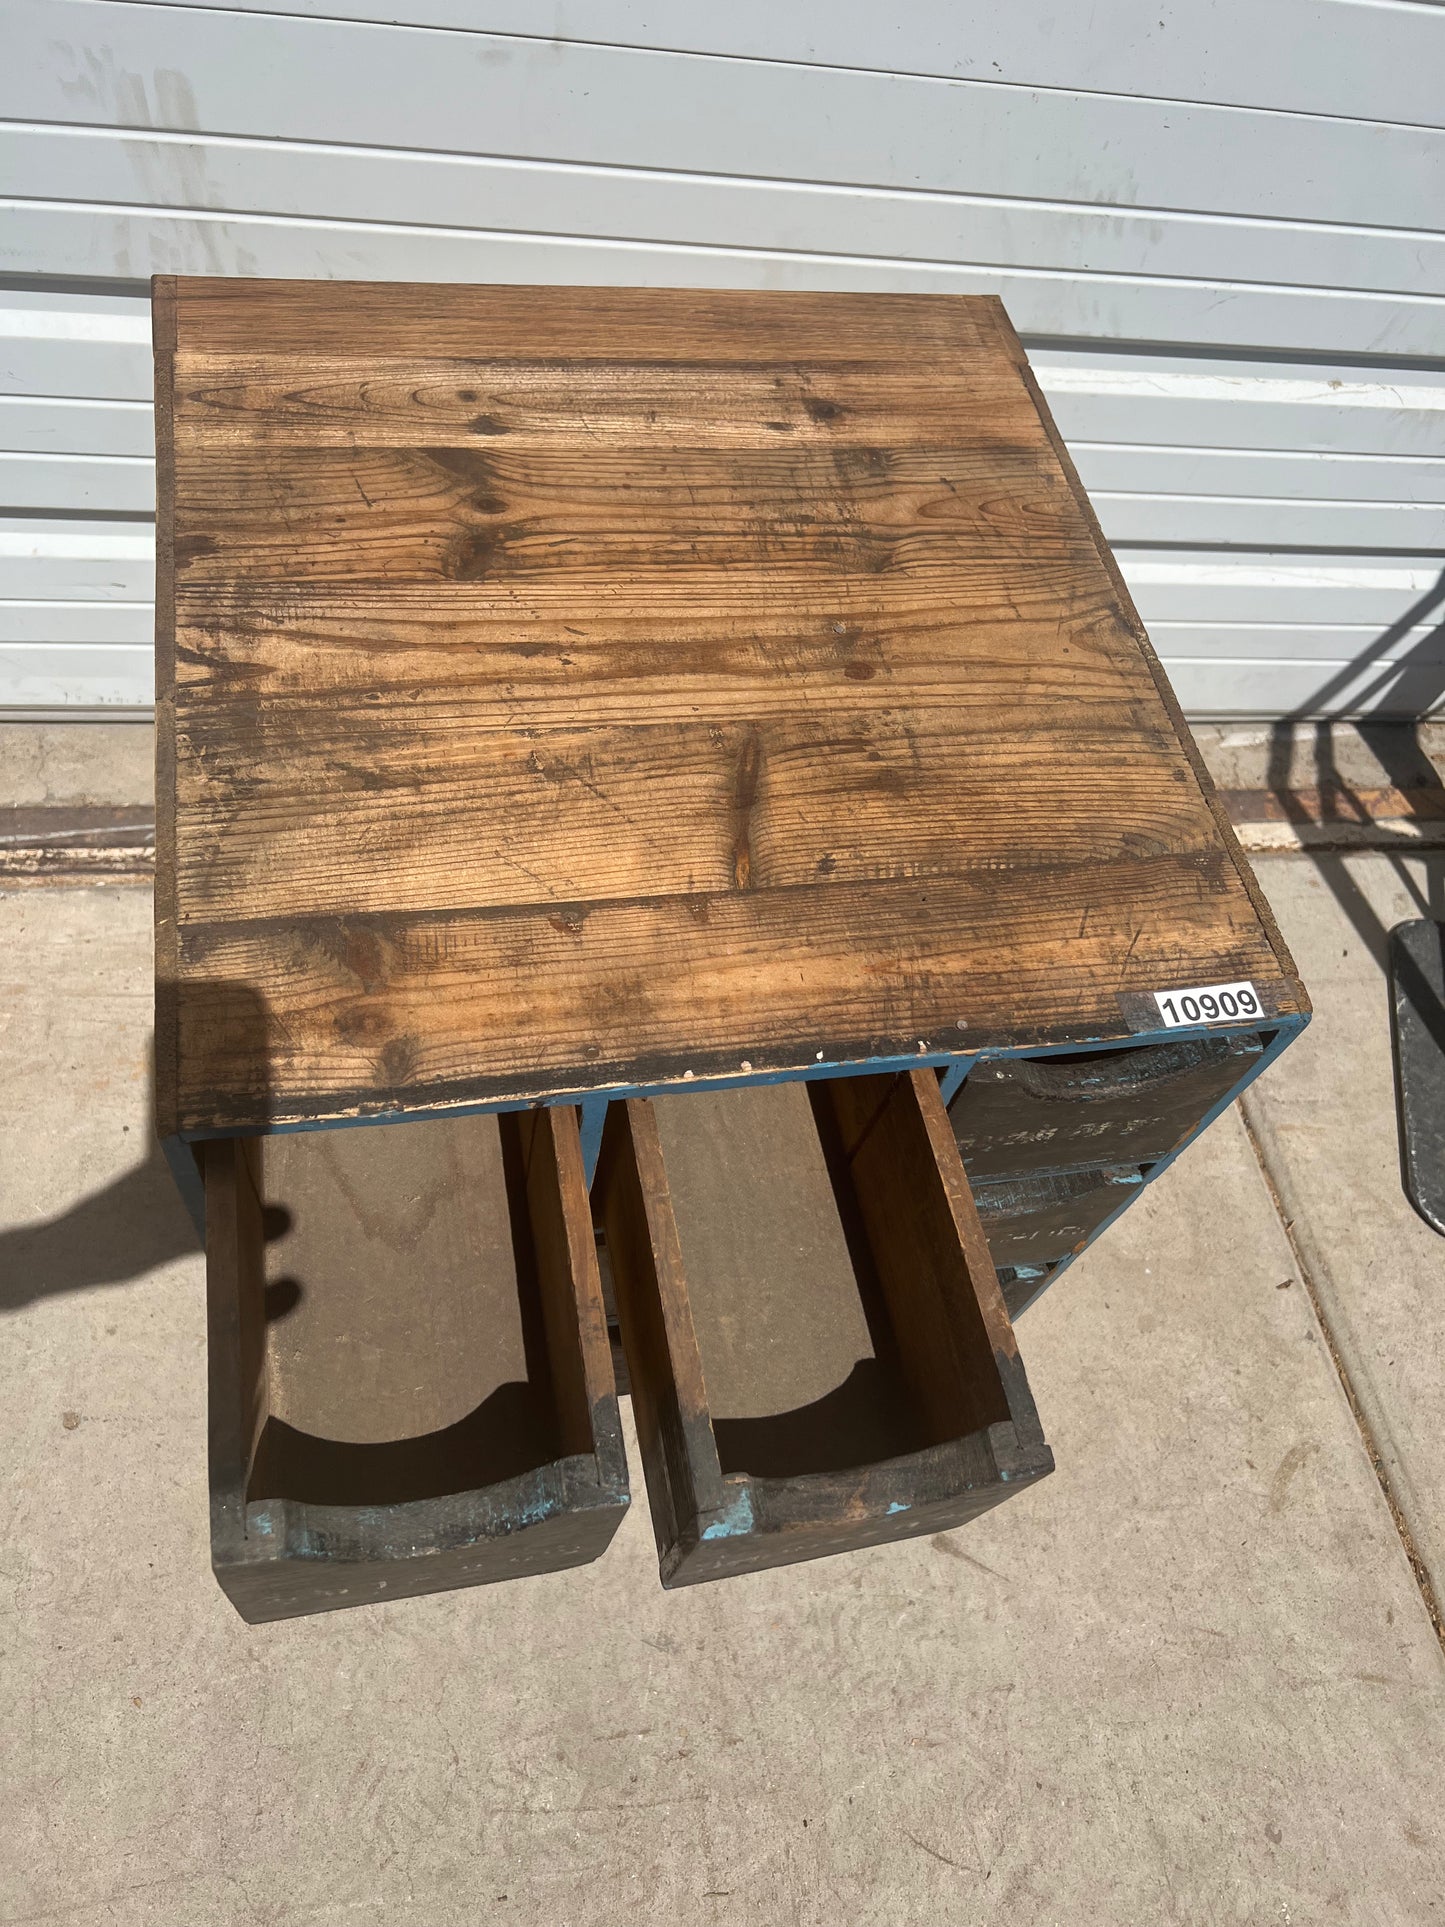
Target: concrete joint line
1418,1568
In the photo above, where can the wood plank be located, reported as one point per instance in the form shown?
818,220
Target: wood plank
365,1015
376,321
465,513
686,808
168,1096
236,1331
367,401
669,1401
720,642
569,1281
928,1248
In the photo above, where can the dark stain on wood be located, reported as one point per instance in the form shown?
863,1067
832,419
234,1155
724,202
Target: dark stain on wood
745,794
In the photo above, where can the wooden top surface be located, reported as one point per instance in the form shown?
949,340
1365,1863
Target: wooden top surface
562,688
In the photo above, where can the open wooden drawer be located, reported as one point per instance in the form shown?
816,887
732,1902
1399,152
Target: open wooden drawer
410,1381
819,1353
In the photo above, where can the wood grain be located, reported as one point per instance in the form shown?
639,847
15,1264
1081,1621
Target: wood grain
664,1367
398,402
714,643
624,812
569,1281
382,1013
564,687
448,514
368,318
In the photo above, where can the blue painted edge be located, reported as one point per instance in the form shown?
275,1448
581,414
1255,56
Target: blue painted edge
955,1066
1286,1030
614,1093
594,1116
951,1082
187,1174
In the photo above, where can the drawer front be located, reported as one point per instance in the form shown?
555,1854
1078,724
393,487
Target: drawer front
1038,1220
819,1353
410,1379
1129,1106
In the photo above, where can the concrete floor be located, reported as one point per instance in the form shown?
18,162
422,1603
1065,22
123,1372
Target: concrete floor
76,763
1190,1678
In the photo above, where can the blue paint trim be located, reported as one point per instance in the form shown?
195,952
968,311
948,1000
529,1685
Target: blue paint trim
594,1116
954,1065
736,1521
1286,1030
951,1082
189,1182
608,1093
1135,1040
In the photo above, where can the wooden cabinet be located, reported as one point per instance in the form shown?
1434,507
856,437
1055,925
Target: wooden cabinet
578,694
411,1385
819,1353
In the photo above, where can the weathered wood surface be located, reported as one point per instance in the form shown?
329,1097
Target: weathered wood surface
819,1352
564,687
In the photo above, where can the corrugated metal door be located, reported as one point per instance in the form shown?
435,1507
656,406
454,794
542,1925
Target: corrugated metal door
1218,229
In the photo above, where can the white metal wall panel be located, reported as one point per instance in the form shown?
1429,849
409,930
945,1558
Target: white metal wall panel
1360,61
1219,229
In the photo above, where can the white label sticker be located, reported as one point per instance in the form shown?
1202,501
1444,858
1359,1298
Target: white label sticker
1209,1004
